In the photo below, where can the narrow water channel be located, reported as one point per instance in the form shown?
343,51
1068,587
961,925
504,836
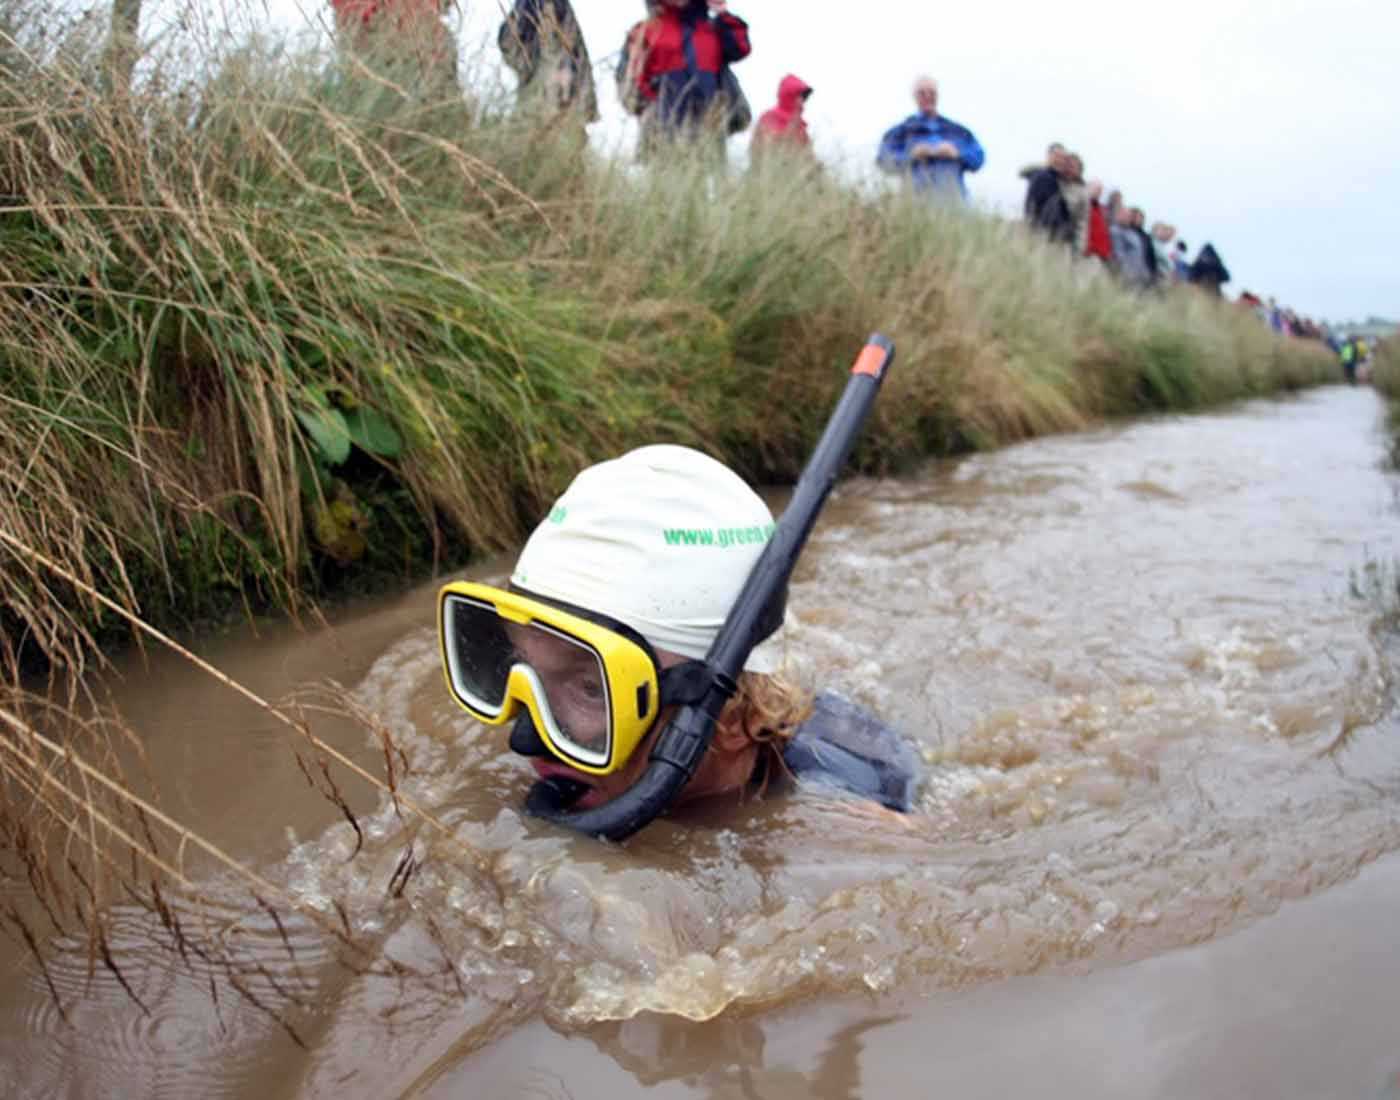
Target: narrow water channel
1157,707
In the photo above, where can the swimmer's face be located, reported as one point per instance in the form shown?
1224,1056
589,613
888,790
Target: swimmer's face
574,685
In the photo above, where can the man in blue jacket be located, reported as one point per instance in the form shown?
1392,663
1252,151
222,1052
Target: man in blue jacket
934,151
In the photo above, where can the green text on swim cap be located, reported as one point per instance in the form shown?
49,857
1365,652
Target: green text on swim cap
718,536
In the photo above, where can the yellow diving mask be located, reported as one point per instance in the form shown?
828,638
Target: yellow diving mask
592,686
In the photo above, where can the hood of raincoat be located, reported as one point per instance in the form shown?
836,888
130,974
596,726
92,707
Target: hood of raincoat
791,89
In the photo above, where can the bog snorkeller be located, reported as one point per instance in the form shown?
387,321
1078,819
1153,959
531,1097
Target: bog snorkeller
617,619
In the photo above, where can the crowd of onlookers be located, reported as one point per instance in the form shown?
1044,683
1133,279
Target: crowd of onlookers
674,73
1282,319
1074,211
1099,226
1353,350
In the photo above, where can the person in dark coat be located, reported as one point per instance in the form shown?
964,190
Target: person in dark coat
1046,207
1207,270
541,42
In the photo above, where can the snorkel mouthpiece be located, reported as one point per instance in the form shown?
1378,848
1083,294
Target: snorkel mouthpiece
682,744
552,796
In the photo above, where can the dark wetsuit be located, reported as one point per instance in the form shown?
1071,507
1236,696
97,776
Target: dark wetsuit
842,745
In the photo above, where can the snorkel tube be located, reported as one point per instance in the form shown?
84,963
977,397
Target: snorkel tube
682,744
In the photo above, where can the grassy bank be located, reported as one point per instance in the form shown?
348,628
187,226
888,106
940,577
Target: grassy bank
1385,370
1385,376
275,330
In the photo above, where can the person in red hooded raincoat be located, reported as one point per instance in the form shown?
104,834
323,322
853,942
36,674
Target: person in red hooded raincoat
405,41
783,126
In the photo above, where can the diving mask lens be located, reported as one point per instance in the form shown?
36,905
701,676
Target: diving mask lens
478,655
570,688
494,662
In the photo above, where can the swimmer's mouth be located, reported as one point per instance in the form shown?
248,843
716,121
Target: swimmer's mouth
556,789
554,795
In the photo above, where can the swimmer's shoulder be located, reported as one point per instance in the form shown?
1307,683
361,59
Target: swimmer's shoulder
847,747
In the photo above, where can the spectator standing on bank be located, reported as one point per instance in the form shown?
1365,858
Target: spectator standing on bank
1045,206
403,41
1129,260
1181,267
1113,205
1208,271
1098,242
678,58
933,151
1053,150
783,127
541,42
1076,196
1162,235
1347,355
1149,253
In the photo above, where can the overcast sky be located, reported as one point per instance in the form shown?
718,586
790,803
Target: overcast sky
1267,128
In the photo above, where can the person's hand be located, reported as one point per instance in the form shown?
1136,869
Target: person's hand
945,150
923,150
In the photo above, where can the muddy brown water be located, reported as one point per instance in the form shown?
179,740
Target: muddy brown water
1151,857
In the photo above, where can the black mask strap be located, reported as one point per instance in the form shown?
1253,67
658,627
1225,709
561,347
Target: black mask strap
685,683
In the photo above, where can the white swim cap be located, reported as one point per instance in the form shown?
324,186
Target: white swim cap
661,539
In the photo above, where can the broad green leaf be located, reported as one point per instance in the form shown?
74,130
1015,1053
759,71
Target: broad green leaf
372,432
328,431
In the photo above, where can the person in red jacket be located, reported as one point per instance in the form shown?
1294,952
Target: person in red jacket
404,40
684,49
783,126
1097,239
